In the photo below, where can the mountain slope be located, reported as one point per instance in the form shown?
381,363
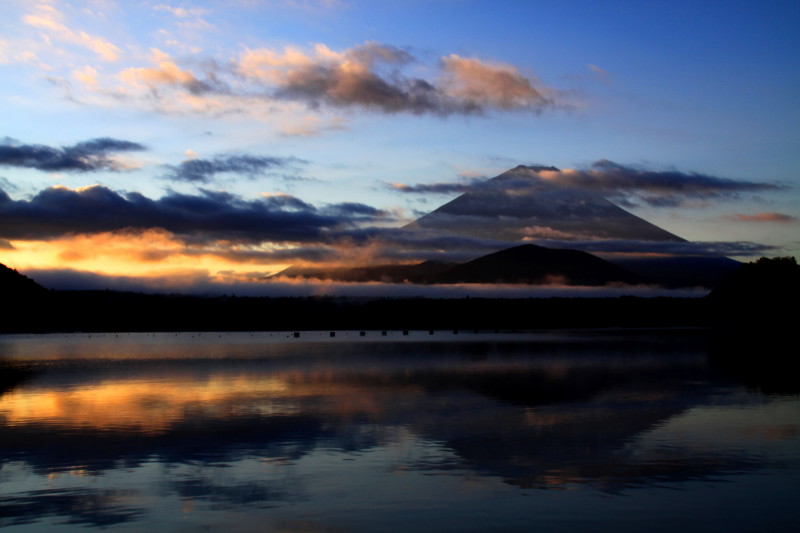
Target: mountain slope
518,204
12,283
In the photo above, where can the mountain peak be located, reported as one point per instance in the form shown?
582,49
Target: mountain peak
519,205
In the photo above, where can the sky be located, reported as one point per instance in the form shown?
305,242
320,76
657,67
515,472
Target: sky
179,145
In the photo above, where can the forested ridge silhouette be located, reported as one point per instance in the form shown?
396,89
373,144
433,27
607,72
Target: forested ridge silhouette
747,298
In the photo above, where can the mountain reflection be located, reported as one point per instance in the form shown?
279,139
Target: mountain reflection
609,414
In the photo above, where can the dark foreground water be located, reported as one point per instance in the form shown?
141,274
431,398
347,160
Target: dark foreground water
581,431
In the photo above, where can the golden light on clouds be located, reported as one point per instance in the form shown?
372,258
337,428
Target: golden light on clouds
140,253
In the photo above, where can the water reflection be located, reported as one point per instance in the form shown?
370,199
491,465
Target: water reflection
97,433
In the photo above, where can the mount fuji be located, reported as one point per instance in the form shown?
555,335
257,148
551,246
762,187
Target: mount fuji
519,207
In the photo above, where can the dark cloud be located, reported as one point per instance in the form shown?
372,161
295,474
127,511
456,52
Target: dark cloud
354,209
669,188
625,185
316,85
209,215
287,201
205,170
708,248
435,188
87,156
506,182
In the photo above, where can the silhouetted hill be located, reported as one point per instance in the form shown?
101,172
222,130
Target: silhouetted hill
14,284
764,281
531,264
763,293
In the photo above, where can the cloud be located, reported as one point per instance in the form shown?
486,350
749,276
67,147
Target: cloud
168,73
669,188
623,184
371,76
355,210
51,21
481,85
205,170
350,78
762,217
201,282
436,188
310,126
599,73
631,246
524,180
86,156
5,49
182,12
207,216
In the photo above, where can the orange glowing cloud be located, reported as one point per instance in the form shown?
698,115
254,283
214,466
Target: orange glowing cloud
166,72
491,84
148,253
762,217
48,19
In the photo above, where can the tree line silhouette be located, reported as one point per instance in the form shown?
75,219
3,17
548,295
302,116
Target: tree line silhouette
756,294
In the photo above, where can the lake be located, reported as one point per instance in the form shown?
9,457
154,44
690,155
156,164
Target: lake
426,431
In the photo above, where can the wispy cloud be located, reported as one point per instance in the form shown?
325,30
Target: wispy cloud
49,20
205,283
86,156
436,188
166,73
696,248
182,12
762,217
250,166
656,188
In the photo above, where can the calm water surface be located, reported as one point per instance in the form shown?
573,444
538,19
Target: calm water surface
578,431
